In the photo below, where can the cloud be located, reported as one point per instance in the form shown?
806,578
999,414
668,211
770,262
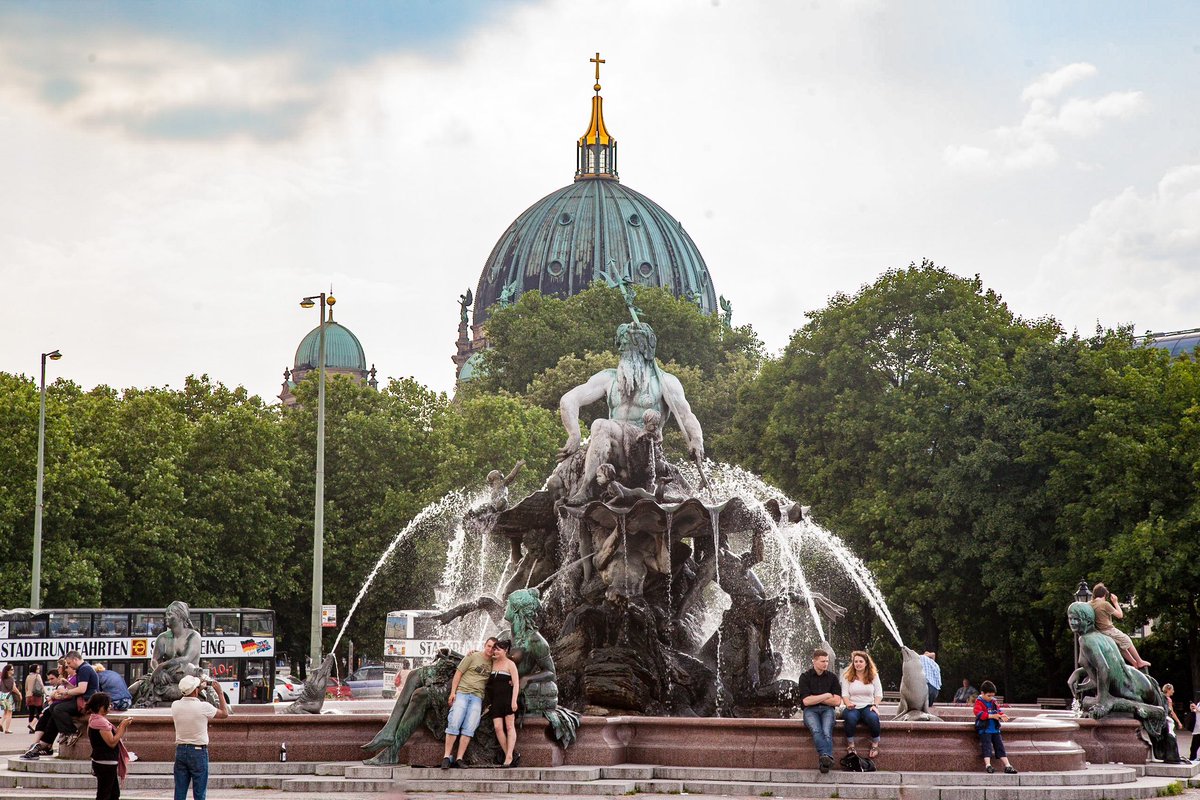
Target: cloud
213,70
1052,84
1035,142
1147,244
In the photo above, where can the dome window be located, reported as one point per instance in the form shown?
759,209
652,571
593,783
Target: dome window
556,267
635,220
565,218
704,279
645,269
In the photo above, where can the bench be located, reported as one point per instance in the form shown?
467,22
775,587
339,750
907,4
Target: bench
1051,702
891,697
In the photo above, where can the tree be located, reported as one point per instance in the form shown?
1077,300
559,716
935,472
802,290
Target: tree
868,414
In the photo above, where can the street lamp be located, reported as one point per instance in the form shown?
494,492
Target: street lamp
1083,594
35,585
314,651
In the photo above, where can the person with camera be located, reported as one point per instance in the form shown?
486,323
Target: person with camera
191,716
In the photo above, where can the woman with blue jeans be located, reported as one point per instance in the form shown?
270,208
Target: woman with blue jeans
862,693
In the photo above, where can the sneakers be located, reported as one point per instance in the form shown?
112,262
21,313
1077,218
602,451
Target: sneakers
458,764
36,751
447,762
989,769
1010,770
825,763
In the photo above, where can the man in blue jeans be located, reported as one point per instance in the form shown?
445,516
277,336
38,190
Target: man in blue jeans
191,716
820,695
466,701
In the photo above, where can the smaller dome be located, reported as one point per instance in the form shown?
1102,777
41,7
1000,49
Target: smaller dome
342,349
470,368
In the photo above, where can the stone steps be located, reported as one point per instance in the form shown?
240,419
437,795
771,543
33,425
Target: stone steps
26,780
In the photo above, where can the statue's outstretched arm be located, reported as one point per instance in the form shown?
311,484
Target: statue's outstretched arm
487,603
512,475
570,403
676,400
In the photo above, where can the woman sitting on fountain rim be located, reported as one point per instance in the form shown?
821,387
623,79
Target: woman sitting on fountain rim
862,692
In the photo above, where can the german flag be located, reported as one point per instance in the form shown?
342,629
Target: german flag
249,646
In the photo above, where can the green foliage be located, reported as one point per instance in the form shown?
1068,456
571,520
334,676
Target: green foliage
542,346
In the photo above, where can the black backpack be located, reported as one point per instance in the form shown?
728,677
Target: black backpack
853,762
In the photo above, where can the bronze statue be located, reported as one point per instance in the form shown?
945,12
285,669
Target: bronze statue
312,693
636,386
424,699
176,654
1104,684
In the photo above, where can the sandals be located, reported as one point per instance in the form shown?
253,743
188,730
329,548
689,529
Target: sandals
874,754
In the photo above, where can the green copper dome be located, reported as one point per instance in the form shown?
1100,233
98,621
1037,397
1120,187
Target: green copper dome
342,349
571,237
594,229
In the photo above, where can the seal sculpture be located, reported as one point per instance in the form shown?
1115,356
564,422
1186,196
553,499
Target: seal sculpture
914,693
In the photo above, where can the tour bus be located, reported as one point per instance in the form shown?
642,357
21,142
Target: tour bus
237,644
410,639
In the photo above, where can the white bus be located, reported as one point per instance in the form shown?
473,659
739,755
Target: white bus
237,644
410,639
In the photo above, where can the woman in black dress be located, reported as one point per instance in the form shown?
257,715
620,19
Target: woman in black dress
503,688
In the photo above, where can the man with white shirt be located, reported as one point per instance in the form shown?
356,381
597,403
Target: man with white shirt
191,716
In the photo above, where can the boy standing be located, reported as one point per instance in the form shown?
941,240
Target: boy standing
819,689
988,717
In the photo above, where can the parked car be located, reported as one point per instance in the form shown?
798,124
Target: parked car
336,690
285,689
366,681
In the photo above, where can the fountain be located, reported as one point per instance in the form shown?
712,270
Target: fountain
668,604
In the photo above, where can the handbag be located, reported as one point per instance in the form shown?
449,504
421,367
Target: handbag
853,762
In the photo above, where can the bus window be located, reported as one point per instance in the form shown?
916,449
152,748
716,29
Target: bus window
195,618
27,629
396,626
221,623
258,682
256,624
112,625
71,625
221,669
148,624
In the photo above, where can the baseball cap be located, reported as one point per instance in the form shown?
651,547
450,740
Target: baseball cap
188,684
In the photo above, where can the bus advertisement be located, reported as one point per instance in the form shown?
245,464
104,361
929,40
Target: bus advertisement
411,639
237,644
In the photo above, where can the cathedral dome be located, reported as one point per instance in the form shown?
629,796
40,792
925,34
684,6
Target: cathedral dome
342,349
585,231
593,229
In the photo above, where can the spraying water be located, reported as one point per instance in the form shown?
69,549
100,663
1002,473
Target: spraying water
454,503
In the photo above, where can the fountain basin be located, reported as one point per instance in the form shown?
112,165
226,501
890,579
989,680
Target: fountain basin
1035,745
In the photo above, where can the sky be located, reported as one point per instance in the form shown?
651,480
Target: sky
176,176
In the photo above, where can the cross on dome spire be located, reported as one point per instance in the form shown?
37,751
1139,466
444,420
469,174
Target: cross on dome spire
596,151
597,61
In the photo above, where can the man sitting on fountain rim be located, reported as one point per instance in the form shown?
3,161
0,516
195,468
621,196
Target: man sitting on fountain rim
466,701
819,691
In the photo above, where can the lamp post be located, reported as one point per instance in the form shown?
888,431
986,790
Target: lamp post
35,585
314,650
1083,594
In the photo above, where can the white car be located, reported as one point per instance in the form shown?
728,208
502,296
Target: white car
286,690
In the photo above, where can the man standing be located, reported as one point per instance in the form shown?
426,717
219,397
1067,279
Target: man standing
466,701
819,694
61,717
933,674
191,716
